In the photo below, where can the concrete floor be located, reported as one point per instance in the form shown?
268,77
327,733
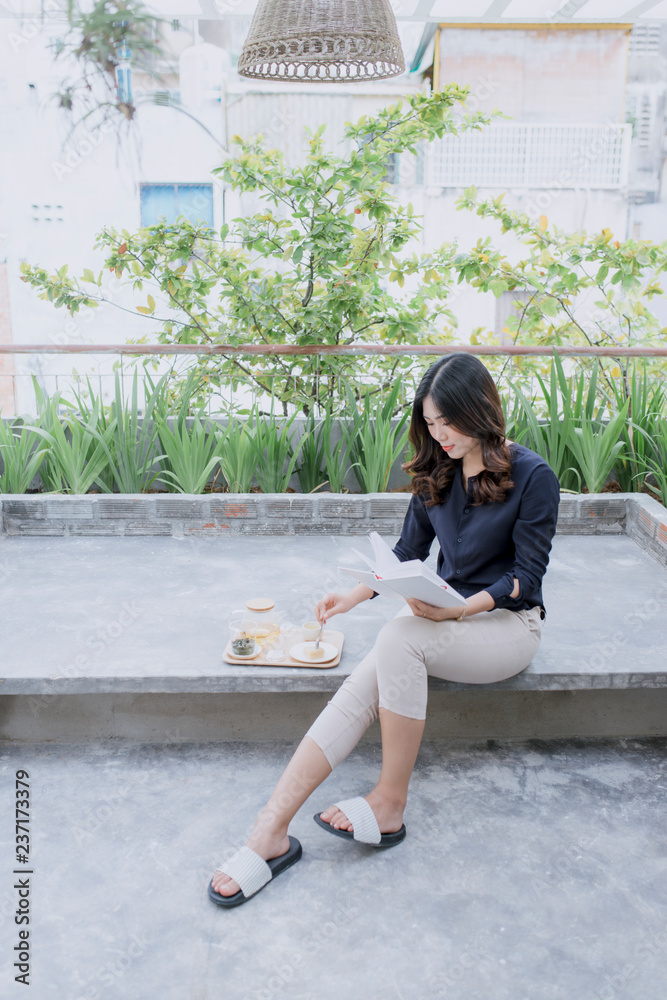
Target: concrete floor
531,871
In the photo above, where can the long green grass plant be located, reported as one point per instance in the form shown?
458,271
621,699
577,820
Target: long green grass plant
48,417
334,456
646,411
597,448
322,459
191,454
653,475
133,436
79,452
236,455
312,470
374,439
275,455
21,457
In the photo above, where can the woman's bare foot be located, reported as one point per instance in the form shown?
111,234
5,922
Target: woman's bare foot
267,843
388,813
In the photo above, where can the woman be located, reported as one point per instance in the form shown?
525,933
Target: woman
492,504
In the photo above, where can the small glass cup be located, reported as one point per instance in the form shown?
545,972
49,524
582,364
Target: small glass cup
243,635
274,647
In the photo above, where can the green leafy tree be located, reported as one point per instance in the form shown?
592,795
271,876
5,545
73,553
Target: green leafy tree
316,266
579,288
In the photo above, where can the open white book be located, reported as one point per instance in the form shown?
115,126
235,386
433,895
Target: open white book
393,578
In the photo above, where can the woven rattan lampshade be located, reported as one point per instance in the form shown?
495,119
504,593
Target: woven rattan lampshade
322,40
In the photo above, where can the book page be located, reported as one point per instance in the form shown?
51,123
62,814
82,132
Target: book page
369,562
385,559
411,579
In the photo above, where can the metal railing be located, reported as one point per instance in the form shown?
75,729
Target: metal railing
13,398
418,350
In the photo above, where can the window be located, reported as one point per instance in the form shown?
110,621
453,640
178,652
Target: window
645,39
642,110
406,168
168,201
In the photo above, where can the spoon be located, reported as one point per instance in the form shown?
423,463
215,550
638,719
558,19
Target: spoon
317,641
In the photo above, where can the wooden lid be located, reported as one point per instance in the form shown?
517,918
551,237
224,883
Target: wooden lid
260,604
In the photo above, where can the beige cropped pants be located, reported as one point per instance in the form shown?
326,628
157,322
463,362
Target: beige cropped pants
487,647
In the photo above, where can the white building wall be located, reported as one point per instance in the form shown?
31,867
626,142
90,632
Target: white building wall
85,187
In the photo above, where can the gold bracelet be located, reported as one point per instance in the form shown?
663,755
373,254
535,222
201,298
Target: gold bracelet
462,615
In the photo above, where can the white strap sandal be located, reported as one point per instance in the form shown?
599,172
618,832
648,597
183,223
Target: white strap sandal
252,872
365,827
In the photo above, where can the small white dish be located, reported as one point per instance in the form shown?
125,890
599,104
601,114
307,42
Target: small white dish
244,656
300,652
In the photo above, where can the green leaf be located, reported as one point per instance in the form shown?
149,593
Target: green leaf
497,286
549,306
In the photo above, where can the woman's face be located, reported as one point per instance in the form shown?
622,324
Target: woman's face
452,442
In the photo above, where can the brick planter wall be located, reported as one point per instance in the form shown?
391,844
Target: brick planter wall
637,515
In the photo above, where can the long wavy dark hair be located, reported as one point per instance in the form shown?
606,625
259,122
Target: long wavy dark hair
464,393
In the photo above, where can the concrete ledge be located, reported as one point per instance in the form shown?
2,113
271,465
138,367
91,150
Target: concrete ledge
124,618
227,679
469,714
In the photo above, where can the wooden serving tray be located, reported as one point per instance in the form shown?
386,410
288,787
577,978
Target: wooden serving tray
291,638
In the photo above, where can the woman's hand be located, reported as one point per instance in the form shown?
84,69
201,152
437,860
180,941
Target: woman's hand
481,601
421,610
333,604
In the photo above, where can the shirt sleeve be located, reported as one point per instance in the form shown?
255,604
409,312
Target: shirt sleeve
417,533
532,534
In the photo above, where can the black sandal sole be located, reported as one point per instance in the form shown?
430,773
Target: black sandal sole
387,839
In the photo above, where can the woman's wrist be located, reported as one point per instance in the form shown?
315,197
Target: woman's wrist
481,601
359,593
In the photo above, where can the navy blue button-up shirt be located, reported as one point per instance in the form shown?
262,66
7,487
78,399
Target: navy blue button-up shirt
484,547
